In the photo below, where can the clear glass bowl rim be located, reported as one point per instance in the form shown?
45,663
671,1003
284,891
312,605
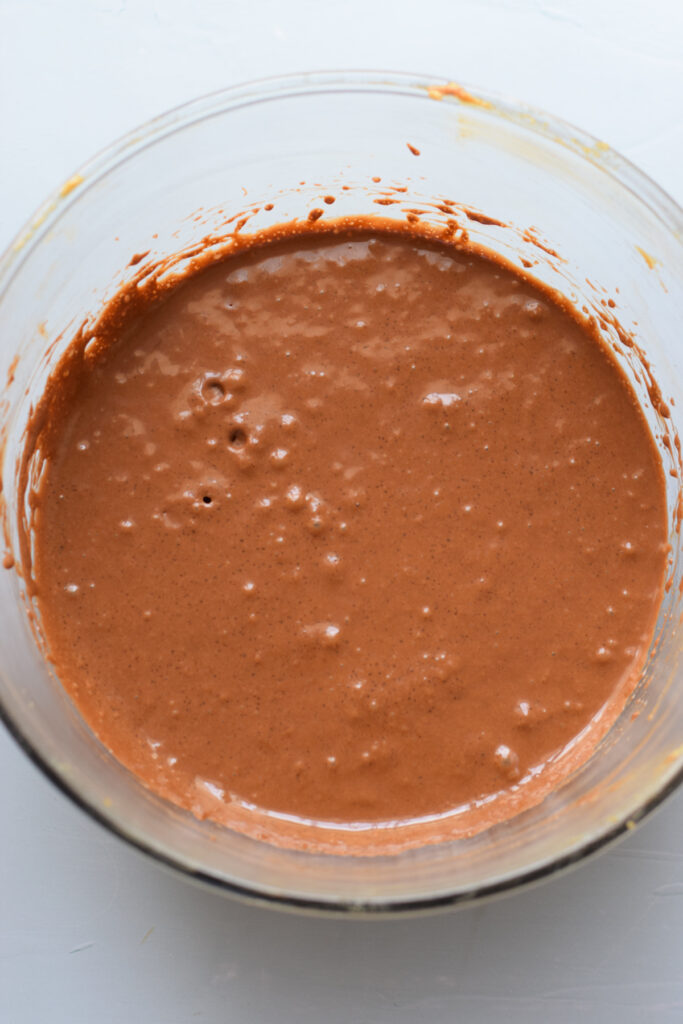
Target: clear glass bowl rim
555,130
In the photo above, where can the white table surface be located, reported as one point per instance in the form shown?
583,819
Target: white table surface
92,933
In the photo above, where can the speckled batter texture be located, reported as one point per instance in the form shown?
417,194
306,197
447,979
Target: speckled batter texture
353,528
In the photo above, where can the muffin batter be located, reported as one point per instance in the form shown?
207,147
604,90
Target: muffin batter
353,527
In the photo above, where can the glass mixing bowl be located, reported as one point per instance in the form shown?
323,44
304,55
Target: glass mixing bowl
290,141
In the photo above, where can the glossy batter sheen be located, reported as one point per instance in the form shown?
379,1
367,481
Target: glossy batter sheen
350,527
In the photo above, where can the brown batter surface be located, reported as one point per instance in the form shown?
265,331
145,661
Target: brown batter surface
351,527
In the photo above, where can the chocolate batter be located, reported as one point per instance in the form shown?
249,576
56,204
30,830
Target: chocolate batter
352,527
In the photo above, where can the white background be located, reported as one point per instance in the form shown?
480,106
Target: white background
90,932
